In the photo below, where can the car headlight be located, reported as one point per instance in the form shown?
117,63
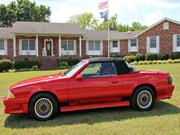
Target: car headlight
10,95
170,80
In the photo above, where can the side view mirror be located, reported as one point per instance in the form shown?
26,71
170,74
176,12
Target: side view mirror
79,77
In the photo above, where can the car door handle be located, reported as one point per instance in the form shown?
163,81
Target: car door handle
115,81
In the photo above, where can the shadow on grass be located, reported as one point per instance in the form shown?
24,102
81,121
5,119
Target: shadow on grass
90,116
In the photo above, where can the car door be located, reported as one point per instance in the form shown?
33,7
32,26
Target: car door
100,80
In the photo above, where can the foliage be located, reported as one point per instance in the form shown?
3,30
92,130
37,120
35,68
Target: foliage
87,21
175,55
139,57
129,58
23,10
5,65
151,56
22,64
63,65
163,56
70,61
156,62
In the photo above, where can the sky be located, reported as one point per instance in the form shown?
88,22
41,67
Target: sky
146,12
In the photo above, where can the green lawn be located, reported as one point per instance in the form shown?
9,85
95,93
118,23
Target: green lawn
163,119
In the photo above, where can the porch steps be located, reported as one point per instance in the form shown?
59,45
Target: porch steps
94,106
48,63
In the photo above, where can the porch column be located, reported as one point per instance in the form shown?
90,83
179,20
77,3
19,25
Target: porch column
80,49
37,46
14,46
59,45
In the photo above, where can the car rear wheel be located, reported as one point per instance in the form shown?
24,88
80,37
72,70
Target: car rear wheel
43,106
143,98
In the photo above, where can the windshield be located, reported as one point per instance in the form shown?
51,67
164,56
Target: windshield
132,69
74,69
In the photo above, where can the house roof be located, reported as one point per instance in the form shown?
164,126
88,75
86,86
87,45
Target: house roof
159,22
46,28
5,33
103,35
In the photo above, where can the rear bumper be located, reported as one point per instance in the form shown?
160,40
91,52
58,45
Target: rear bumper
165,92
15,106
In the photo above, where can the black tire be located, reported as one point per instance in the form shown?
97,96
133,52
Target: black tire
143,102
47,101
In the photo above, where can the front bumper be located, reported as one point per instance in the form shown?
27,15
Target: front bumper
15,106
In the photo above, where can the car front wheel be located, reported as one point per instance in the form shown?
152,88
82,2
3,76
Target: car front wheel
43,107
143,98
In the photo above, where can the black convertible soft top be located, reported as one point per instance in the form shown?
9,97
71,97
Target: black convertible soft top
104,59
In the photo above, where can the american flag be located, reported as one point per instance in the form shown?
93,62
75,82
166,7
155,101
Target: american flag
103,5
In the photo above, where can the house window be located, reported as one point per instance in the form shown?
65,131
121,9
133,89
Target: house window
68,47
178,40
153,42
93,48
166,25
94,45
2,45
115,44
132,44
28,47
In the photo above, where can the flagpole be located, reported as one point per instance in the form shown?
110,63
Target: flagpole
108,33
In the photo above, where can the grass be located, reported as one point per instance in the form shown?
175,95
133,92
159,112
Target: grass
163,119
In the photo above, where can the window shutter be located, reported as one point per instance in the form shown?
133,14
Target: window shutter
101,48
5,47
157,44
147,44
74,47
119,45
129,45
87,47
174,43
20,47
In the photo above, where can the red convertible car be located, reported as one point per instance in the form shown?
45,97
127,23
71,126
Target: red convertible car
92,83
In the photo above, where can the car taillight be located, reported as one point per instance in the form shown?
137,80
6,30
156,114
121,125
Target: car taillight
170,80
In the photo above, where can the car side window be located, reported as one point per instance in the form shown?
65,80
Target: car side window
99,69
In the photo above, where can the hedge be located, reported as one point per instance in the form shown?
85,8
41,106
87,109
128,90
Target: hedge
151,56
5,65
70,61
63,65
139,57
156,62
23,64
129,58
175,55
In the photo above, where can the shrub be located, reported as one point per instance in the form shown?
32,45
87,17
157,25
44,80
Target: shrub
151,56
163,56
129,58
175,55
22,64
139,57
63,65
70,61
5,65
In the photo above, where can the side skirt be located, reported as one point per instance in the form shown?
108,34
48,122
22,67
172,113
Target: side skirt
94,106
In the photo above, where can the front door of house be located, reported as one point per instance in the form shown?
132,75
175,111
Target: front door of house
49,48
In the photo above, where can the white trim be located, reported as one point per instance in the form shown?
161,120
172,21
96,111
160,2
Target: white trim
14,45
80,49
157,23
4,52
132,49
94,52
51,40
60,45
37,46
114,49
175,47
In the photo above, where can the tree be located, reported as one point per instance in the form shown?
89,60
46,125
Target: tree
87,21
113,24
23,10
137,26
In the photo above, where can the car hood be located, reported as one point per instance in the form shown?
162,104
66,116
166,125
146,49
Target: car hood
39,79
153,72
